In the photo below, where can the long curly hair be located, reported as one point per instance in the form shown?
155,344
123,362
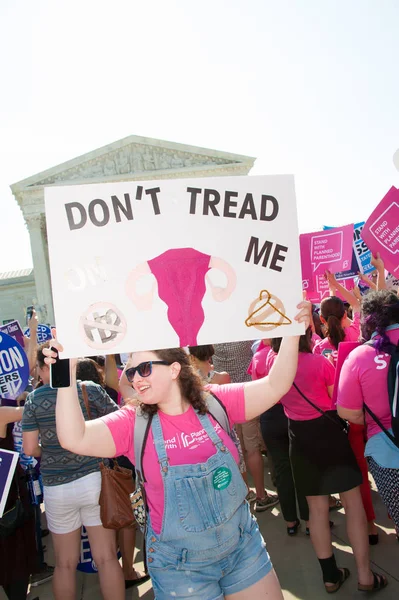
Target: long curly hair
379,310
333,310
189,382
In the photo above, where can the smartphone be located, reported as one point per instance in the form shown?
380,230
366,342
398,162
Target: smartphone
29,313
60,372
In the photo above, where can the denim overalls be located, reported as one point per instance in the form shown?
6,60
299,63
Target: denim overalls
207,527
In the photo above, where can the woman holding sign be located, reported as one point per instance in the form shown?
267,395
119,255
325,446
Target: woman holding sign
202,541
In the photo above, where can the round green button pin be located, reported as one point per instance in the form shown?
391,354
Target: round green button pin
221,478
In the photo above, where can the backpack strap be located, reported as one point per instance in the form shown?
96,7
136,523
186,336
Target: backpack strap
218,411
141,430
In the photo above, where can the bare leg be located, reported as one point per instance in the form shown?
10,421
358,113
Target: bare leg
66,550
255,465
356,526
319,525
266,588
103,548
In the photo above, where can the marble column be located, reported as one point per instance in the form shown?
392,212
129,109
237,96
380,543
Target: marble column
44,304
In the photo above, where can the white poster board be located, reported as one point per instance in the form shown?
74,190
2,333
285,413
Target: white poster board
161,264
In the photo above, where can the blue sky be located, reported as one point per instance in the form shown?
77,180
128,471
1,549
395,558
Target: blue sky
308,87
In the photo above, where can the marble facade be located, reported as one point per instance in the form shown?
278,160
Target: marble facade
132,158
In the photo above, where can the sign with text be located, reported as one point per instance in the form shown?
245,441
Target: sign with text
381,231
8,464
43,333
361,255
204,261
325,250
13,328
14,368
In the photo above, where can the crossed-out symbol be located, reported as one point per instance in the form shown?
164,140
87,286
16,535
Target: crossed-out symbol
103,325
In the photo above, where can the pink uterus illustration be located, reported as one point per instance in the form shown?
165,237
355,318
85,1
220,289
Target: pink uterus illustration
181,275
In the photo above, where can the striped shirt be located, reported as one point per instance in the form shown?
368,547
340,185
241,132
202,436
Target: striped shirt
57,465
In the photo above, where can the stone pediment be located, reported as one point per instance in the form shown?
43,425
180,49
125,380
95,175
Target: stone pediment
139,158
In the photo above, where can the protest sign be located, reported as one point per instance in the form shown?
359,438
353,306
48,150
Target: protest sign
381,231
322,289
43,333
321,251
14,368
361,255
142,265
13,328
8,463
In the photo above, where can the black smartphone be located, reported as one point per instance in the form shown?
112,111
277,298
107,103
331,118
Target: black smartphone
60,372
29,313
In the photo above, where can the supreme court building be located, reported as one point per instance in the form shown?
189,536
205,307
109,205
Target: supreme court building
130,159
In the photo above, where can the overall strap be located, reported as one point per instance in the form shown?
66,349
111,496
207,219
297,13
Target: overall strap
207,425
159,441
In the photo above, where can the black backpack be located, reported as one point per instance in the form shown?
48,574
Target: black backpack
393,394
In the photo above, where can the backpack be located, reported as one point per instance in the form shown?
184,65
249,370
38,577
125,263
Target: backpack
143,424
393,394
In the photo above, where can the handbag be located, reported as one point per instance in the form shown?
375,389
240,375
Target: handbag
13,518
116,487
330,414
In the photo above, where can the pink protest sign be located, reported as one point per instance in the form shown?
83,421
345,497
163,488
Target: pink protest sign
381,231
344,349
324,250
307,275
322,286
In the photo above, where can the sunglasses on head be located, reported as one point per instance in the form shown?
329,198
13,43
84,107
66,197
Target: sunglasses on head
144,369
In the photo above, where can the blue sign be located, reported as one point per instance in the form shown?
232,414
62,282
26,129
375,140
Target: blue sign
14,368
363,253
43,333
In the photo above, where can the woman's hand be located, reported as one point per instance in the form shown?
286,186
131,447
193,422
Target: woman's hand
305,313
51,355
332,281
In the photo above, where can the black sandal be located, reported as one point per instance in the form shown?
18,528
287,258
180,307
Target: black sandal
336,506
344,574
293,530
380,582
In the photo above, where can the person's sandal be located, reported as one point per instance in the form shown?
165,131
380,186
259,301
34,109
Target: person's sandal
293,529
337,504
344,574
380,582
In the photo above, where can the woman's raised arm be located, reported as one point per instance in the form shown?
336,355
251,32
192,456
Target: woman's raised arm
262,394
88,438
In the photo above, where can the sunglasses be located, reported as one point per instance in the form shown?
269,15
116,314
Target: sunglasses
144,369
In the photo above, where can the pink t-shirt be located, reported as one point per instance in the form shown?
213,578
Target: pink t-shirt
186,441
363,379
257,366
352,334
314,374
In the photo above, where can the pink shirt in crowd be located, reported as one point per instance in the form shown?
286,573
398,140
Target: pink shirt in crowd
352,334
314,374
186,441
257,366
363,379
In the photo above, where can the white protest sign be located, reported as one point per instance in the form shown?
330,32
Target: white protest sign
160,264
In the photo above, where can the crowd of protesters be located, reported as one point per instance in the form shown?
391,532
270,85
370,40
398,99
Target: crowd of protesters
202,537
